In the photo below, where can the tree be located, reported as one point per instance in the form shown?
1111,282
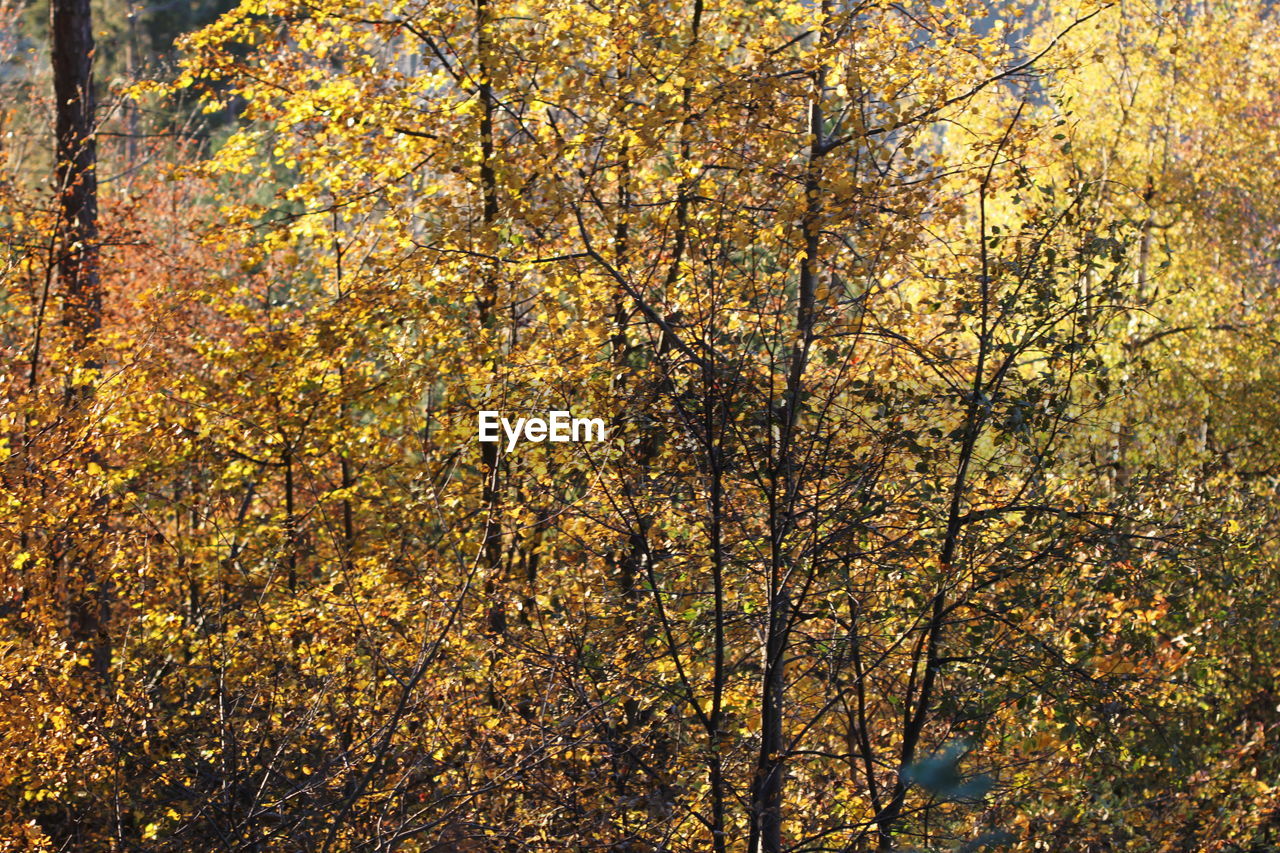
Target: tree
72,53
884,550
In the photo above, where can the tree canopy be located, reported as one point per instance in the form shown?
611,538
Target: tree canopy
935,344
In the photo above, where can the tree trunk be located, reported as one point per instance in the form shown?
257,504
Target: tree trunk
71,49
71,35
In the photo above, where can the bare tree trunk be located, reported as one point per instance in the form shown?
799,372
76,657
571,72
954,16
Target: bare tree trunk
71,47
771,764
491,495
765,835
71,35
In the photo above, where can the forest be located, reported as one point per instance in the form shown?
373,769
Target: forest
934,347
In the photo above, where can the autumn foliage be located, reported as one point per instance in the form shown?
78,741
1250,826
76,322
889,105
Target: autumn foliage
936,345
